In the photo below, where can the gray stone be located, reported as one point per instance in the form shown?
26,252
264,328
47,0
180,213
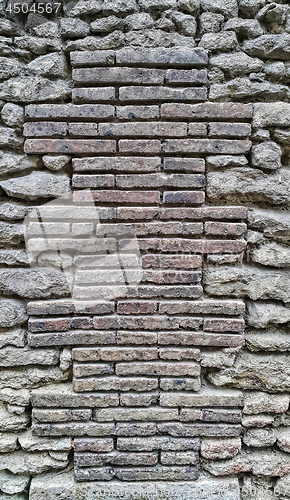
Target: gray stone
222,161
114,40
17,496
256,371
272,339
12,312
260,314
31,377
29,442
15,337
259,438
283,485
21,397
236,63
219,42
266,155
107,24
9,138
269,46
12,211
55,162
37,185
9,68
241,88
271,114
282,135
12,115
11,483
49,29
254,237
12,356
51,65
140,21
83,8
274,223
273,13
119,7
283,438
158,38
191,6
216,448
37,45
50,486
275,70
249,183
272,254
257,421
261,134
6,27
185,23
11,422
34,89
249,8
74,28
10,234
229,8
33,283
244,28
21,462
12,162
151,5
8,442
210,22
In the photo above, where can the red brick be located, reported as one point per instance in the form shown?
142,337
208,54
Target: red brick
161,179
48,325
119,163
67,146
139,146
111,196
217,146
184,164
140,307
224,325
171,277
225,228
136,338
186,245
72,338
208,110
171,261
184,197
137,112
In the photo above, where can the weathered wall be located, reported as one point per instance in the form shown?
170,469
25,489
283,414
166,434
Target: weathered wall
176,397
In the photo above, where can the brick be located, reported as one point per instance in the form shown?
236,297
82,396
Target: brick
220,129
200,339
67,306
184,197
81,323
94,445
177,76
92,58
136,213
146,323
114,196
136,429
218,146
96,94
164,443
146,129
143,414
142,291
140,307
179,458
146,399
184,164
190,415
192,228
138,338
230,307
62,396
158,473
139,146
133,76
160,180
137,112
162,94
158,369
171,261
144,229
213,449
224,325
73,212
90,370
198,129
44,129
179,354
230,416
218,398
225,228
71,338
162,56
115,458
45,228
204,212
92,245
94,474
48,325
103,261
118,163
225,259
74,429
187,245
208,111
69,146
69,111
180,384
87,181
222,161
115,384
174,277
83,129
61,415
177,429
114,354
82,228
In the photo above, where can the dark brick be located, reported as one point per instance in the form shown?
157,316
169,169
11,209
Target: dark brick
186,76
217,146
66,146
171,261
162,56
69,111
145,146
48,325
184,197
96,94
92,58
118,75
94,445
111,196
86,181
118,163
140,307
184,164
71,338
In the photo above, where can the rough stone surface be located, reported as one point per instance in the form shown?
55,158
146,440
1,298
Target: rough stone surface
37,185
34,89
267,156
12,312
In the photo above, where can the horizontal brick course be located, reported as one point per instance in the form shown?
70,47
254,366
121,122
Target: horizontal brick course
92,58
94,95
132,164
162,56
69,111
146,129
217,146
162,94
209,111
67,146
191,76
118,75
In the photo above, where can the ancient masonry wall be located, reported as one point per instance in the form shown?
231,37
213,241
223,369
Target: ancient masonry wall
144,251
